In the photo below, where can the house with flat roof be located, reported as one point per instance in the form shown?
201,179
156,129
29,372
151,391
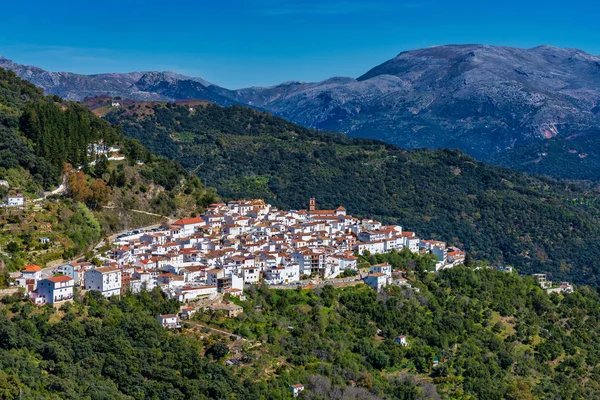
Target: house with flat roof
16,200
106,280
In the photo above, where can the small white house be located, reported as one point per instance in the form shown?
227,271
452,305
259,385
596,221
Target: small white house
566,287
32,271
385,269
188,312
191,293
377,281
170,321
251,274
30,276
401,340
296,389
16,200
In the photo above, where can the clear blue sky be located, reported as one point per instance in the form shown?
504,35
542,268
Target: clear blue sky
261,42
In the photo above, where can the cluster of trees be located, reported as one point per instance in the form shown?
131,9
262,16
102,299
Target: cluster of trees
473,333
95,194
15,151
565,157
493,213
64,135
400,260
108,350
41,134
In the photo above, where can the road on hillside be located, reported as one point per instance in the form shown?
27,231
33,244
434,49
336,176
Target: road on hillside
220,332
59,190
112,237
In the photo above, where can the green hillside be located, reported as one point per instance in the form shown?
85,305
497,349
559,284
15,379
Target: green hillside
535,224
494,335
45,138
572,158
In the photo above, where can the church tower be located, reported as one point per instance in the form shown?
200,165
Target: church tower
313,204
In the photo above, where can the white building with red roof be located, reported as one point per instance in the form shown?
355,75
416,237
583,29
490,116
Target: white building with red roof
189,226
30,275
54,290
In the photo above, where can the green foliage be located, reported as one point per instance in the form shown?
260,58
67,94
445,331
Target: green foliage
104,349
15,92
545,344
64,136
573,157
39,136
217,350
334,341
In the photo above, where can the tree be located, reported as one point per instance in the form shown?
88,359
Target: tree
77,186
468,260
217,350
99,194
9,386
101,167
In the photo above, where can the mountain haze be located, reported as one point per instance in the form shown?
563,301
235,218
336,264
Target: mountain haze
149,85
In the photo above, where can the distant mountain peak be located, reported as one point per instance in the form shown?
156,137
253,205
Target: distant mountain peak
133,85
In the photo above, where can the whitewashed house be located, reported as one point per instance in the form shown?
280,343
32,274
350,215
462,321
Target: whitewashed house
377,281
54,290
16,200
170,321
384,268
106,280
401,340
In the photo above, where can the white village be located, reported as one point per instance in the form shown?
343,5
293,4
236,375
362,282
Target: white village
235,244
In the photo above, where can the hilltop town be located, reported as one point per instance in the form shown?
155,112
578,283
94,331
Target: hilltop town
237,243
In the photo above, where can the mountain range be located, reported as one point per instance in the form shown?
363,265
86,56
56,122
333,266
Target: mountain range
498,104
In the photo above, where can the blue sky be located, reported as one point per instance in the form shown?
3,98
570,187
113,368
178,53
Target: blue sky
262,42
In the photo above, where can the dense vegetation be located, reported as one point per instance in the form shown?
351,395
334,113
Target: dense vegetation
101,350
15,151
494,335
536,224
575,157
44,138
39,135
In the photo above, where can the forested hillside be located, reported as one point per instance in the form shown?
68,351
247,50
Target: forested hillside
472,334
45,138
535,224
576,157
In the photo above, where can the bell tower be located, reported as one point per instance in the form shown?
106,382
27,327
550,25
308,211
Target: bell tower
313,204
